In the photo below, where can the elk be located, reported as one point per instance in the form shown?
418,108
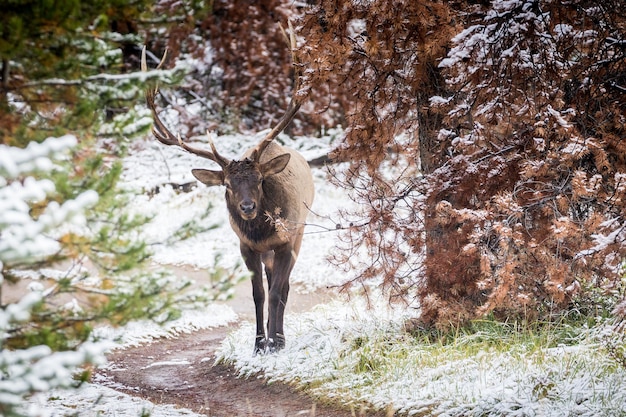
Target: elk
268,192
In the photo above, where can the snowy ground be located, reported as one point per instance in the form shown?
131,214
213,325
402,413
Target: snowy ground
328,347
151,166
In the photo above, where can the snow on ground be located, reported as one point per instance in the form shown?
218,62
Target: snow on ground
142,332
96,401
327,348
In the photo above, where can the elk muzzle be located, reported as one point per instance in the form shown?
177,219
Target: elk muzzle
248,209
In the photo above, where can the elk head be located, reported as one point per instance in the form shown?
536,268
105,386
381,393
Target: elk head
243,179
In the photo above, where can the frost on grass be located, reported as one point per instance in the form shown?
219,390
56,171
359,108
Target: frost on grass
354,355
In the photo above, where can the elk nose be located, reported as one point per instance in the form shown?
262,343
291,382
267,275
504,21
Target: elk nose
247,207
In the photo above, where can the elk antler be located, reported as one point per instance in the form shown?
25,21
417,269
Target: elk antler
163,134
294,103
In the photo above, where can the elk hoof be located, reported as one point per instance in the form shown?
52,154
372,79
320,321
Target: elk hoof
260,345
274,345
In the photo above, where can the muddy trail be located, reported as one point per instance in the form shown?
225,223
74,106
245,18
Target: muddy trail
182,371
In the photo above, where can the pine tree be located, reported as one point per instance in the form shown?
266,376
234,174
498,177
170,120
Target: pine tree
84,268
28,363
64,224
72,66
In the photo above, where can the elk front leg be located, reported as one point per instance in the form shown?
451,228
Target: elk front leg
284,260
291,254
267,258
253,263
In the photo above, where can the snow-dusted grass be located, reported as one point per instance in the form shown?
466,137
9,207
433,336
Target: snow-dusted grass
353,355
142,332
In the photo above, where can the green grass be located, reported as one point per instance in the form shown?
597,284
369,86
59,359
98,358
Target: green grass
354,357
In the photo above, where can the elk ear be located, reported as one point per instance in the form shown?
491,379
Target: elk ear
209,177
275,165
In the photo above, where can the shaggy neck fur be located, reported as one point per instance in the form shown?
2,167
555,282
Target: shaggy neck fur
261,227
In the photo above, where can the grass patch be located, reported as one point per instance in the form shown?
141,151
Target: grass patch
357,356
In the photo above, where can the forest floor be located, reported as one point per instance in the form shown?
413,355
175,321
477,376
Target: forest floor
183,371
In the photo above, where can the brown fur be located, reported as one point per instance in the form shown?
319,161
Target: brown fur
273,237
268,193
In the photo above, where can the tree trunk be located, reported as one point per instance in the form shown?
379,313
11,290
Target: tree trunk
4,84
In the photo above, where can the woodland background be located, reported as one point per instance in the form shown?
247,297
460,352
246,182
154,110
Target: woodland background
484,142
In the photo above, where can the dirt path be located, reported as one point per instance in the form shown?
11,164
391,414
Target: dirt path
181,371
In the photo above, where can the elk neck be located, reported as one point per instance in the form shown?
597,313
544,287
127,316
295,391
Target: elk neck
261,228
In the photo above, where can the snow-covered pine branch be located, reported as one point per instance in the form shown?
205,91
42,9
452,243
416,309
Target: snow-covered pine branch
25,237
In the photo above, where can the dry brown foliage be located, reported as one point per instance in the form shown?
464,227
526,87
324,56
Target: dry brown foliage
520,140
534,130
245,78
378,62
484,141
254,56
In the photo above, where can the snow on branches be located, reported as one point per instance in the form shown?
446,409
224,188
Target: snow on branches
25,236
27,221
534,126
513,111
